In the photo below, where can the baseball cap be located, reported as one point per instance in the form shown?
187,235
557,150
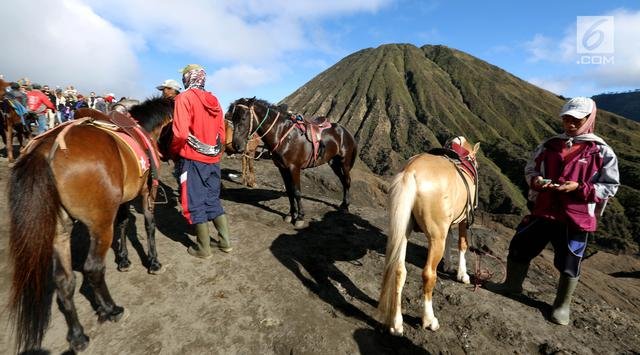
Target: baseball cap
190,67
169,83
578,107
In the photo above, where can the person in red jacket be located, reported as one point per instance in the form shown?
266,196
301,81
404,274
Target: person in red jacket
38,103
198,135
571,176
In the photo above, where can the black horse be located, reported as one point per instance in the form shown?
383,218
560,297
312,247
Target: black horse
292,149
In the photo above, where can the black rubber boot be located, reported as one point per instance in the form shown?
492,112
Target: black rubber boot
516,273
202,250
561,306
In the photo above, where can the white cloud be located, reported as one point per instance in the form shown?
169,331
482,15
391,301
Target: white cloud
67,44
240,77
556,86
95,44
623,73
543,48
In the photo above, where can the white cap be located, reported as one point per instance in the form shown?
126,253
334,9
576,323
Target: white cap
578,107
169,83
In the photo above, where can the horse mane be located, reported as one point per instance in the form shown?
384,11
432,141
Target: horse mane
152,112
282,108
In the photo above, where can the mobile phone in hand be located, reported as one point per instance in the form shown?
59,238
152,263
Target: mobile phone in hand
545,181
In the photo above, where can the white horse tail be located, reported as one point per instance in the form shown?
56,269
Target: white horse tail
402,196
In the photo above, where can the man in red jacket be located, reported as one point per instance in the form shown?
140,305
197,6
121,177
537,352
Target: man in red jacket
38,103
198,135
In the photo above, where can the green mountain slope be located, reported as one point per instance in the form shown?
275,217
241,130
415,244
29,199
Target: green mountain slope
400,100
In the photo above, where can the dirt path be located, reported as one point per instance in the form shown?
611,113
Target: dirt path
314,290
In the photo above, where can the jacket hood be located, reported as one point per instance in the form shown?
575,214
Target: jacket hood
209,101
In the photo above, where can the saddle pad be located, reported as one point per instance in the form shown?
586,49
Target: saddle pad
135,149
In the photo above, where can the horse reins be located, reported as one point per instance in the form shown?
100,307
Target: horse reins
254,135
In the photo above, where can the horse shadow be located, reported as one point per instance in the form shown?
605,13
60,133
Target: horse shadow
253,197
169,221
626,274
376,342
311,255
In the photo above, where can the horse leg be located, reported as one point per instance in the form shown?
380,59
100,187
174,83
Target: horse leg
337,164
286,177
9,143
65,281
251,179
436,238
122,221
462,248
150,226
297,194
94,269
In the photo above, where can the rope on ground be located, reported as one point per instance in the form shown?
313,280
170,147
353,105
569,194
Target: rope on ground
482,275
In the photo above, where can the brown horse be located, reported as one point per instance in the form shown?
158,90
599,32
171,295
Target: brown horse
49,189
431,193
10,121
248,156
290,149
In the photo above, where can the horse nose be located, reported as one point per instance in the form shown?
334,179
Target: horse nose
237,147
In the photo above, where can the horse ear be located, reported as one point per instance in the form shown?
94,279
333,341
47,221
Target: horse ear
476,148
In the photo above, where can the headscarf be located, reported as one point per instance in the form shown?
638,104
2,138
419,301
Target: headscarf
590,125
194,78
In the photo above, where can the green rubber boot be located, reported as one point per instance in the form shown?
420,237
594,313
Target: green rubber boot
561,306
202,250
516,273
222,225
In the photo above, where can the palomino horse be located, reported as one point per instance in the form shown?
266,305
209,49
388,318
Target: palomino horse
290,149
431,193
249,154
10,121
88,179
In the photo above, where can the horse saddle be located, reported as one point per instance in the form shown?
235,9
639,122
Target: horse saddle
458,157
312,130
312,127
127,130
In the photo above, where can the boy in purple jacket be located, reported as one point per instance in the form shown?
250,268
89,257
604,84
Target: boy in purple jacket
571,176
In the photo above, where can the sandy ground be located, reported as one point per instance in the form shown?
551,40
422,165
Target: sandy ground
314,290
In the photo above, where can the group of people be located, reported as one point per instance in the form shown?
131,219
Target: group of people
52,107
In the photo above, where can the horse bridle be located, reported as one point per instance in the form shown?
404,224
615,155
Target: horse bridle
254,117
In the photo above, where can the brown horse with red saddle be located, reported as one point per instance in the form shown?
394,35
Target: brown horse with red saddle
80,171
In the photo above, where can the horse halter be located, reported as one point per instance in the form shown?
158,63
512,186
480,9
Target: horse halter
253,134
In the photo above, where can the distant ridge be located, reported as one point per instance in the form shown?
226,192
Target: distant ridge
625,104
400,100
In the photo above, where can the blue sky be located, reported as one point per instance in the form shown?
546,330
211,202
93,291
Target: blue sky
270,48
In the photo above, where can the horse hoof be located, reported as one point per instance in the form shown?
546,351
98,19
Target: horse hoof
157,270
299,224
118,314
464,279
434,325
288,219
124,266
396,331
80,343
